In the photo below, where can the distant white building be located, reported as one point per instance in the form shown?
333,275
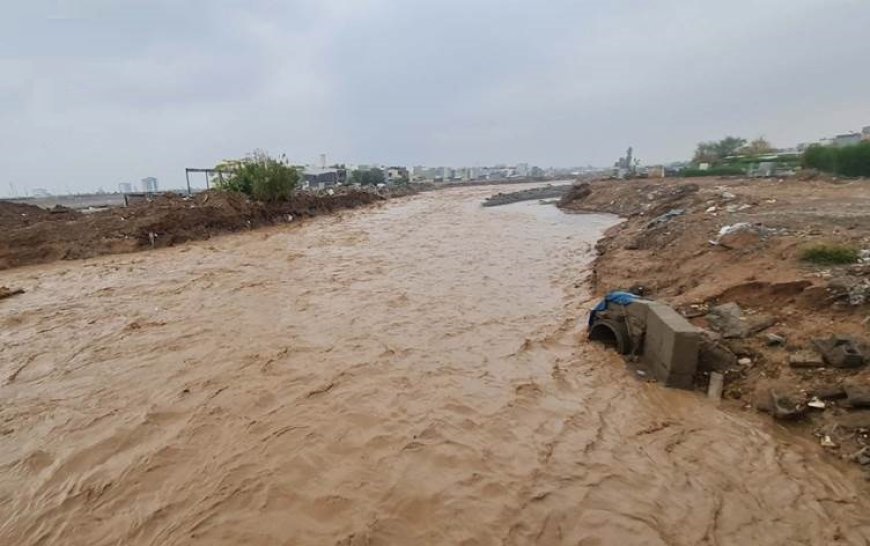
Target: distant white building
149,185
847,139
866,132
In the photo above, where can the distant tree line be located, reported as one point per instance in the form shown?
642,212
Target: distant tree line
367,177
851,160
716,152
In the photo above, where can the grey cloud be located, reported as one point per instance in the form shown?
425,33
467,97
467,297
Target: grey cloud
97,92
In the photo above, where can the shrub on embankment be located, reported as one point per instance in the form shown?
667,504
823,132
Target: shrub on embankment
825,254
260,177
846,161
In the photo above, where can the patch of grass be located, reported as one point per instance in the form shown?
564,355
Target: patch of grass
825,254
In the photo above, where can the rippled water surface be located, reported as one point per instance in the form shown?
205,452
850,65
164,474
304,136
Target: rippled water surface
412,373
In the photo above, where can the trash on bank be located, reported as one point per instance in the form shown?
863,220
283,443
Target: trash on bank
665,218
741,235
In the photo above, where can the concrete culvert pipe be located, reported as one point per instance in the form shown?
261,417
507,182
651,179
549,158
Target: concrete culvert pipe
612,334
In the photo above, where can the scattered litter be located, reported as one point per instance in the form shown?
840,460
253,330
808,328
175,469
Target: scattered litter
745,361
665,218
728,196
815,403
827,442
774,340
640,373
710,209
741,235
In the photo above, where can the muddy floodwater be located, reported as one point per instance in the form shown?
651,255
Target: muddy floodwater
412,373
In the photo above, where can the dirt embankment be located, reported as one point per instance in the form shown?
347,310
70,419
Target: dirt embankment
31,235
671,246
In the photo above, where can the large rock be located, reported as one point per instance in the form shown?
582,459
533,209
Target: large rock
713,357
840,352
728,320
780,400
857,396
806,359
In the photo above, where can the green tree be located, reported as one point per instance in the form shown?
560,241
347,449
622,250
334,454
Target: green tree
759,146
260,177
715,151
367,177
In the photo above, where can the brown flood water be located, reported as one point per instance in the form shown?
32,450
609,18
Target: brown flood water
407,374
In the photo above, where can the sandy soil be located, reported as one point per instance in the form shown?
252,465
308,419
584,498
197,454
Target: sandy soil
675,262
412,373
32,235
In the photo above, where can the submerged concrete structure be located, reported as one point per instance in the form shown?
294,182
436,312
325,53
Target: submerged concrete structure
670,346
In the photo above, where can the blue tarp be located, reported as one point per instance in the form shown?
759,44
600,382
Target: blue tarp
619,298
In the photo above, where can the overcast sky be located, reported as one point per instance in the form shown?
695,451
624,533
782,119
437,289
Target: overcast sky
97,92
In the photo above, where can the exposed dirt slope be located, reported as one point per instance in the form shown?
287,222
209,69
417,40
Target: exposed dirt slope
31,235
671,256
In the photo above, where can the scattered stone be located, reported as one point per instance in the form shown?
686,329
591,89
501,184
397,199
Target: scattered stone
745,361
728,196
710,209
862,456
857,396
840,352
857,420
786,408
829,392
806,359
728,320
714,357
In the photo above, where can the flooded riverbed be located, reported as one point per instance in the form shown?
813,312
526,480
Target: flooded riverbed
412,373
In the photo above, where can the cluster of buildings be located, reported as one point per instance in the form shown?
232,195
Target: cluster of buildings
321,176
147,185
845,139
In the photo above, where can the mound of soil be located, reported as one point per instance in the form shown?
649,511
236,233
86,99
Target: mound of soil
670,245
32,235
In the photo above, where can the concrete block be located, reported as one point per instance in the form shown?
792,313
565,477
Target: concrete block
670,346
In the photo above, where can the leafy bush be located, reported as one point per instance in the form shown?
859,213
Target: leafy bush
830,254
260,177
851,160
